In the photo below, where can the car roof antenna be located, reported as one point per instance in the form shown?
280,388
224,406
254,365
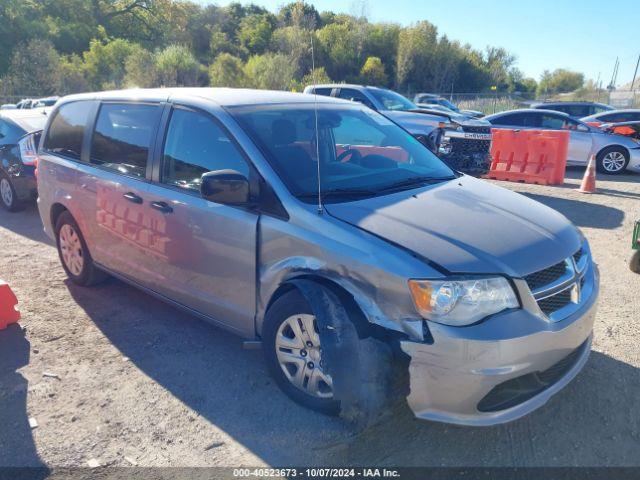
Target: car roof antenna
315,113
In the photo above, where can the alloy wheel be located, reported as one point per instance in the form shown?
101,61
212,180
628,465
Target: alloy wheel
6,193
71,249
300,355
613,162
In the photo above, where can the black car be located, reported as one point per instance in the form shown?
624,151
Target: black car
20,132
575,109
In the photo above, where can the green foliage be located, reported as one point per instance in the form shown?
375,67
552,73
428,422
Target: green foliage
372,72
560,81
255,33
226,71
339,44
104,63
299,14
98,44
271,71
141,70
177,67
34,69
71,76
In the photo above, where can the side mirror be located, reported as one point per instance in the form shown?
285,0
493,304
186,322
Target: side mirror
227,187
583,128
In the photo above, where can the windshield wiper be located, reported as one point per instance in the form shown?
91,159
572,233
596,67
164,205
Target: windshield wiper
341,192
415,182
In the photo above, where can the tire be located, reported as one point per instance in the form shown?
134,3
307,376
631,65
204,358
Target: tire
612,160
74,254
8,196
634,263
316,393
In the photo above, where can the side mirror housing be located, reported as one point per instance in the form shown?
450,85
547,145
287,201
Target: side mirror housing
227,187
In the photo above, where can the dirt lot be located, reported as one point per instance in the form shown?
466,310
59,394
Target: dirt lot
140,382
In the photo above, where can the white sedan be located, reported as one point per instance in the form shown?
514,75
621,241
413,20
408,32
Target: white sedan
614,153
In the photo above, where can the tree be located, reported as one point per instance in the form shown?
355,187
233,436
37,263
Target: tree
177,67
34,69
71,76
140,70
270,71
104,62
416,47
255,33
226,71
299,14
372,72
339,43
560,81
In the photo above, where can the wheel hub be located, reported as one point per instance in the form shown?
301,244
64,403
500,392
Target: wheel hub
71,249
5,192
300,355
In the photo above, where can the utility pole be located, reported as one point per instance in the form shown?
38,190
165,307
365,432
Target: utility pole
613,75
635,73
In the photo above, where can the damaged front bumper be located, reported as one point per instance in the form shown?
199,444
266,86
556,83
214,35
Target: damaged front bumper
500,369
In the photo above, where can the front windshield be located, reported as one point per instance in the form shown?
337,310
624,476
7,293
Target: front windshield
392,100
446,103
361,152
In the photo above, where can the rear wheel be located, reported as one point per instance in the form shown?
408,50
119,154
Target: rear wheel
74,254
294,353
612,160
8,197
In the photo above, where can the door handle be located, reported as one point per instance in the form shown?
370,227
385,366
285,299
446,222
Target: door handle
132,197
162,207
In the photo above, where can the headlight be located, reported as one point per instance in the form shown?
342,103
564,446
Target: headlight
453,126
461,302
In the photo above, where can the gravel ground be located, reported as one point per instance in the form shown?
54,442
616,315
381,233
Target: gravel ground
138,382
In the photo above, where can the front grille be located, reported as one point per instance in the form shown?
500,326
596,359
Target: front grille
578,255
520,389
546,276
464,145
561,278
477,129
555,302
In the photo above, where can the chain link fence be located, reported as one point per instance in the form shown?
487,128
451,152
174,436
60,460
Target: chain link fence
489,103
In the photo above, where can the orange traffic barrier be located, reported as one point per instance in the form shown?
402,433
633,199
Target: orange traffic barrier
529,156
588,184
8,312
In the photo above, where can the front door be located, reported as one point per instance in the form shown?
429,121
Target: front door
205,253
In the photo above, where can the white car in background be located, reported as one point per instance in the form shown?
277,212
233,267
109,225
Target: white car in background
614,153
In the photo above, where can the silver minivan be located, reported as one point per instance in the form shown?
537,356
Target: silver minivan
323,232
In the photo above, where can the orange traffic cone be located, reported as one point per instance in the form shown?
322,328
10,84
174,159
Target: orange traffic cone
8,312
589,180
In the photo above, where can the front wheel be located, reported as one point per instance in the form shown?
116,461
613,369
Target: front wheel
612,160
294,354
8,197
74,254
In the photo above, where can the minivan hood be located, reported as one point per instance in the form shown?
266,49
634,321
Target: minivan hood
467,225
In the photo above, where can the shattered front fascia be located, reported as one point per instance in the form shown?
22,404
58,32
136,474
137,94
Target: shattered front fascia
373,271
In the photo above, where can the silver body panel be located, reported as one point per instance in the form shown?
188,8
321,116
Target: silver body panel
225,263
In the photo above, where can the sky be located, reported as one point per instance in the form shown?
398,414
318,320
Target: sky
581,35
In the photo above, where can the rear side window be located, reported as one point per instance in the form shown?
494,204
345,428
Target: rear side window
122,137
513,119
322,91
9,133
67,129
